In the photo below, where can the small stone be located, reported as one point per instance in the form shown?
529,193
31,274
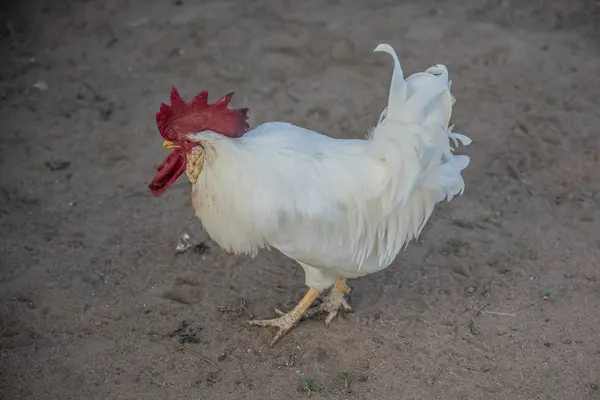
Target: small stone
58,165
106,110
183,244
40,85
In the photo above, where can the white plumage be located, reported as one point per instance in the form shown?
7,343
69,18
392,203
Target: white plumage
340,207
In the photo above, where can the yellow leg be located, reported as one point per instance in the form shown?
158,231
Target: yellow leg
336,300
340,286
286,322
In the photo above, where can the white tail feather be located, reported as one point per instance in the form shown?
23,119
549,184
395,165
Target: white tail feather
414,138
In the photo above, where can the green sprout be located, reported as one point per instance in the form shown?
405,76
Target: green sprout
307,385
548,294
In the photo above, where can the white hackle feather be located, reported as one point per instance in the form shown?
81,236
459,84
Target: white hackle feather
340,207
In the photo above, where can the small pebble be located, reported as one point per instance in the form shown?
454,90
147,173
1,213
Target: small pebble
58,165
40,85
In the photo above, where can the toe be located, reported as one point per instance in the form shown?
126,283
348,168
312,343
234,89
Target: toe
284,324
345,305
261,322
280,333
330,317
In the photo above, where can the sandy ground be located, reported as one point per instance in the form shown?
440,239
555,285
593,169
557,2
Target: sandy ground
500,299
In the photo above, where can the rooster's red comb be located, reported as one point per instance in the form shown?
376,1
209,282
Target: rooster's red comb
181,118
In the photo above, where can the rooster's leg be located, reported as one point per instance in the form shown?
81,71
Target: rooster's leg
286,322
335,301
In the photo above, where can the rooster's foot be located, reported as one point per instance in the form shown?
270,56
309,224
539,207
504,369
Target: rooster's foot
335,300
286,322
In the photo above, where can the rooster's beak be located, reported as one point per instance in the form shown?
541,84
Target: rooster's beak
169,145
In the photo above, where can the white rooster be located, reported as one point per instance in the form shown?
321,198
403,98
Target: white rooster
342,208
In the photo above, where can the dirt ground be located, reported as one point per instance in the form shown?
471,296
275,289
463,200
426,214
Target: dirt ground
499,299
